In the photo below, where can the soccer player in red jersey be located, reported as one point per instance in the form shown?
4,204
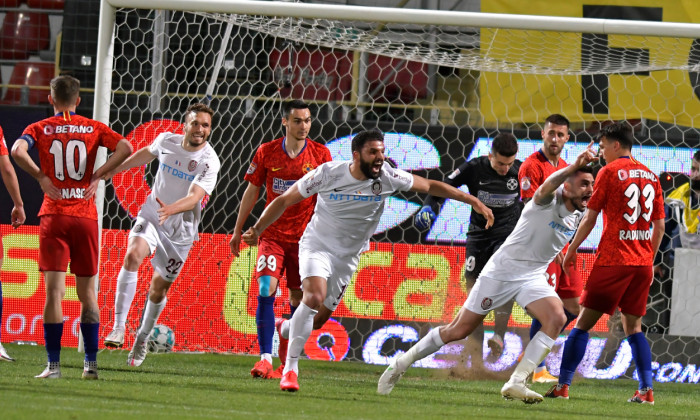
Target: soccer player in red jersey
536,168
9,178
67,145
631,199
279,164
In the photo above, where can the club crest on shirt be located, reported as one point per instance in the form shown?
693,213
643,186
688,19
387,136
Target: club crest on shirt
307,167
376,188
486,303
525,183
512,184
622,174
251,168
138,228
192,165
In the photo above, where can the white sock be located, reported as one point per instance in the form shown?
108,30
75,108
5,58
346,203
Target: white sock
266,356
284,328
535,352
300,327
126,289
150,317
424,347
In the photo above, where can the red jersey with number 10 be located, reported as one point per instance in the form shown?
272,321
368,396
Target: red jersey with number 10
630,197
273,166
67,145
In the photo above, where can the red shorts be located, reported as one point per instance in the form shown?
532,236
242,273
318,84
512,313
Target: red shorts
63,238
623,286
567,287
277,259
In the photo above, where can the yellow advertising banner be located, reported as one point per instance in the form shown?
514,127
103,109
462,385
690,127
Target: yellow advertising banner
591,77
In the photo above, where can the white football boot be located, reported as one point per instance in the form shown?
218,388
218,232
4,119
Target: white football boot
389,378
516,390
90,370
4,356
115,339
138,353
52,371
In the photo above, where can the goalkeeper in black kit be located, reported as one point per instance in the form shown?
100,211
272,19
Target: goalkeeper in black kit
494,180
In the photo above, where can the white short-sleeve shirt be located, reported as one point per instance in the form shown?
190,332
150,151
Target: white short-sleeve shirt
177,170
540,234
347,210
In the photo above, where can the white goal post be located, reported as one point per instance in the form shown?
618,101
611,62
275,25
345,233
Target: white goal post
440,84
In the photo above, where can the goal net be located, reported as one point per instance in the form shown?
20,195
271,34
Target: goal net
441,85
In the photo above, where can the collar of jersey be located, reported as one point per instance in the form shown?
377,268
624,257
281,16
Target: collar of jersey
547,159
300,151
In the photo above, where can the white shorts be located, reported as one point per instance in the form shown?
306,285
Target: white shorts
488,294
337,271
169,257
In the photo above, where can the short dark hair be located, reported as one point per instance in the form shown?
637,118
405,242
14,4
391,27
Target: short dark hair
620,132
291,105
588,169
65,90
696,155
505,144
364,136
200,107
557,119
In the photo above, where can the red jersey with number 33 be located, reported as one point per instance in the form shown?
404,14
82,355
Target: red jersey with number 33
67,145
630,197
273,166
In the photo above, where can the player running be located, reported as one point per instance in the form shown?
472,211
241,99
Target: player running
351,197
67,145
631,199
494,180
167,223
533,172
516,271
279,164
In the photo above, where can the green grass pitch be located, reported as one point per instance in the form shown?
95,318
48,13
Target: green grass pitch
215,386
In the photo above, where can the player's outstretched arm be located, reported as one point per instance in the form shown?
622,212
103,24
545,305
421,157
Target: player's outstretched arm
250,196
194,196
273,212
441,189
9,178
20,153
139,158
545,192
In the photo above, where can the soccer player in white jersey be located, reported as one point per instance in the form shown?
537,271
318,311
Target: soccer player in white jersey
168,221
350,201
518,270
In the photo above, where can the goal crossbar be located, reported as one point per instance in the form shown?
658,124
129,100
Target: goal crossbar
425,17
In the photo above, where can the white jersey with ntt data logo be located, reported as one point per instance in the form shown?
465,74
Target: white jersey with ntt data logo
177,170
347,210
540,234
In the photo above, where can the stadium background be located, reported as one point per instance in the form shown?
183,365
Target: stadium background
211,307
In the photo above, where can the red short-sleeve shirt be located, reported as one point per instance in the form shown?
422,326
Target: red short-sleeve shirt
67,145
630,197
